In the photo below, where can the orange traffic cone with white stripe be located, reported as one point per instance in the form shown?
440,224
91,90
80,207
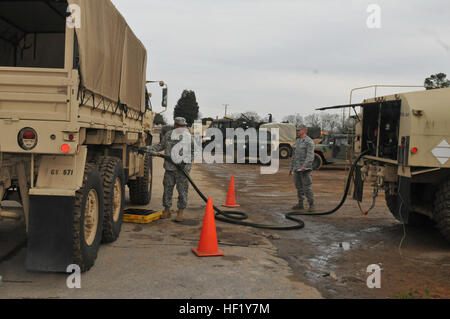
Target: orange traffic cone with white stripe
208,246
231,197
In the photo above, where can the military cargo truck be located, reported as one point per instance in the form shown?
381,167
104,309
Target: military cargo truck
287,137
405,139
74,110
332,149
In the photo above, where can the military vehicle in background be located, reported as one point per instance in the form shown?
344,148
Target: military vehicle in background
287,137
405,143
232,123
332,149
74,110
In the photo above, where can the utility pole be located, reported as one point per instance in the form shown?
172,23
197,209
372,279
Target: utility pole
226,108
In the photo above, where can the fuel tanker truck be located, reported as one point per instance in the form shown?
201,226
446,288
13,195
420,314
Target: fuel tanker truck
404,141
74,110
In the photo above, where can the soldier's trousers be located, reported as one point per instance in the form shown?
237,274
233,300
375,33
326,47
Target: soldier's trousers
172,179
303,182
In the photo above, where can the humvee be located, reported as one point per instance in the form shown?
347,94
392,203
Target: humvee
332,149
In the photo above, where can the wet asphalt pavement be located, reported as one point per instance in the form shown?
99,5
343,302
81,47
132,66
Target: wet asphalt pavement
332,253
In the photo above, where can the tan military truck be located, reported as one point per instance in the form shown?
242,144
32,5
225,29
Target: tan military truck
406,142
287,137
74,110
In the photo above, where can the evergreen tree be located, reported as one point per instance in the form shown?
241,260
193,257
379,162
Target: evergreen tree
187,107
159,119
437,81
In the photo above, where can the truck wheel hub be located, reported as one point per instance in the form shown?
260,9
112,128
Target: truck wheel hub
91,214
117,201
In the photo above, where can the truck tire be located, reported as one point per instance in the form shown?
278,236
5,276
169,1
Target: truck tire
141,188
414,219
318,162
88,219
442,209
113,176
285,152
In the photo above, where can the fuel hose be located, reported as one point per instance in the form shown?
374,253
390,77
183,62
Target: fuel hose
239,218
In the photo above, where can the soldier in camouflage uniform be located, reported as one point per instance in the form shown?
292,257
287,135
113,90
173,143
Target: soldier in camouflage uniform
301,168
174,177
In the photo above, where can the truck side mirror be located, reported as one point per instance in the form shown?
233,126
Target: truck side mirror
165,91
148,102
164,97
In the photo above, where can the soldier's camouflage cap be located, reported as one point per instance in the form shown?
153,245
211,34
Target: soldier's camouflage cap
301,127
180,121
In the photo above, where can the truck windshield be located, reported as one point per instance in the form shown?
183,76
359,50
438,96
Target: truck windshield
32,33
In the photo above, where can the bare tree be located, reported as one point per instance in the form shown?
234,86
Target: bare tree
295,119
253,116
313,120
330,122
249,115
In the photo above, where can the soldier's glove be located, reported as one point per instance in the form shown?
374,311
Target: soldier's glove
145,150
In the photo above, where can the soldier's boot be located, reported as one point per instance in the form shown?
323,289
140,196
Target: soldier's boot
180,216
299,206
312,208
166,214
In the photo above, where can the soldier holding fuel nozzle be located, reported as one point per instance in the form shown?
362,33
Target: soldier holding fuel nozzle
173,176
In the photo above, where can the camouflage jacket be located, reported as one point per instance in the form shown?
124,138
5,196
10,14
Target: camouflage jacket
303,154
167,144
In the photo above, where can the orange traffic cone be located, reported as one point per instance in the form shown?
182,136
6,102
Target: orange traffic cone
231,197
208,246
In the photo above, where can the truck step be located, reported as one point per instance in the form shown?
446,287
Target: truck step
11,210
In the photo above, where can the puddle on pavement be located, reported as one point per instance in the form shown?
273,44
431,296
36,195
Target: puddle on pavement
323,263
271,194
372,230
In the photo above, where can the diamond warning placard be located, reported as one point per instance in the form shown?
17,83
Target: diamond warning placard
442,152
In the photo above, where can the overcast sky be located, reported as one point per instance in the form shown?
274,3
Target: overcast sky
286,56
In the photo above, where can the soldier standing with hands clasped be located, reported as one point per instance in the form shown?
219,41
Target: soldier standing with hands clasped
301,168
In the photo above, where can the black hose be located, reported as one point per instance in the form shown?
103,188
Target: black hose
237,217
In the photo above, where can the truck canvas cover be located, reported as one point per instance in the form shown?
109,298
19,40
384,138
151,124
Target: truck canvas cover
112,59
288,133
